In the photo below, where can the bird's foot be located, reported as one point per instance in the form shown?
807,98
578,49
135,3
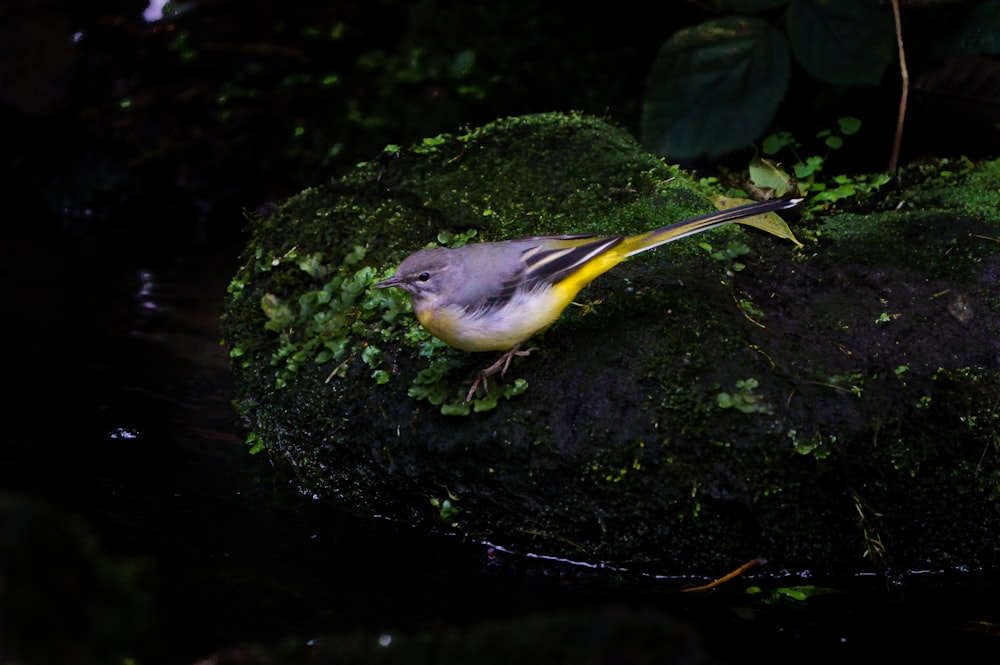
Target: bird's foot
500,365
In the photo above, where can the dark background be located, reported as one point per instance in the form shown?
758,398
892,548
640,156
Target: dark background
133,519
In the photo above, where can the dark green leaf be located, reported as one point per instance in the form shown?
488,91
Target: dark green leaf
745,6
714,87
843,42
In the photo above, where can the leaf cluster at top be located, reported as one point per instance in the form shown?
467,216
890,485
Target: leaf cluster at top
715,87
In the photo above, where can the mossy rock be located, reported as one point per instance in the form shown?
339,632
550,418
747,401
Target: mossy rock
830,407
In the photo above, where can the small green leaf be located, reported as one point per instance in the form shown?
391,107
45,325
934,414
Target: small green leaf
452,239
798,593
372,356
278,313
774,143
255,442
803,170
848,125
313,265
356,254
486,403
455,409
767,174
516,388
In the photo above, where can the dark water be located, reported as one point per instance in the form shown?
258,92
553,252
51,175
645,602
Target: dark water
121,417
118,413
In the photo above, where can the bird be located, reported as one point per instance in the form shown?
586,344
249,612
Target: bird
495,296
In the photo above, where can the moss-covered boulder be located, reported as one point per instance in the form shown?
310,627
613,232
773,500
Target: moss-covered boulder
834,406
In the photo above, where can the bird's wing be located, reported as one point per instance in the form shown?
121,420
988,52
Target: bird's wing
505,269
554,259
549,261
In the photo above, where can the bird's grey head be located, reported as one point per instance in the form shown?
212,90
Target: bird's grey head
422,274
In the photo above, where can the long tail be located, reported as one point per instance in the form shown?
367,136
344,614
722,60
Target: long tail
655,238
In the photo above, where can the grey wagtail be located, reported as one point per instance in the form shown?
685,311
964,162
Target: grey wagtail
494,296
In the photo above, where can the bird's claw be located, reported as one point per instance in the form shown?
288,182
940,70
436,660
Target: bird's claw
500,365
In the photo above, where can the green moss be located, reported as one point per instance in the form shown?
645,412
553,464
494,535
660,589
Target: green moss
609,441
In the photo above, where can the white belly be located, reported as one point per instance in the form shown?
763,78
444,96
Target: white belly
496,328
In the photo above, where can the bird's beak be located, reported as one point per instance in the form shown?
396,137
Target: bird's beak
386,283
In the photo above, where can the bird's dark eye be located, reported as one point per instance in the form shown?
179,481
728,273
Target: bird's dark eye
424,276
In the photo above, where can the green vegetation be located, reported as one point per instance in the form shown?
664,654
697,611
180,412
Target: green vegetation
744,399
770,175
326,325
318,324
815,445
788,594
717,86
447,509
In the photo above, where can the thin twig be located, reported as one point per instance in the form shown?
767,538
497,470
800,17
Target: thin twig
894,157
752,563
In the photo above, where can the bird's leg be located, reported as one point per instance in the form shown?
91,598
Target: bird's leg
500,365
